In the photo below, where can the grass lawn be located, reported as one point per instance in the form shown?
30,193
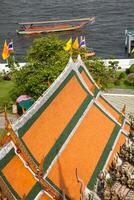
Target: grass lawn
120,86
5,87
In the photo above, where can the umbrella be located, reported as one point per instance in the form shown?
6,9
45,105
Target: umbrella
23,98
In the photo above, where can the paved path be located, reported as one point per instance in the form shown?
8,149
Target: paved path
2,119
121,91
119,97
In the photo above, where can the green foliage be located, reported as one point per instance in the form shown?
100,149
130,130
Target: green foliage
131,69
47,51
117,82
5,88
12,62
122,75
130,79
102,74
113,64
46,60
1,76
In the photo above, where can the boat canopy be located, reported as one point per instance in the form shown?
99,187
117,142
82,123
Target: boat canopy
59,21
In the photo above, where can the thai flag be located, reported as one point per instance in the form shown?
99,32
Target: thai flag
82,42
10,46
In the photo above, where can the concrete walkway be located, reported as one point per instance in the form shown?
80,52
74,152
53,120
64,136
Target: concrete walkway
121,91
121,97
2,119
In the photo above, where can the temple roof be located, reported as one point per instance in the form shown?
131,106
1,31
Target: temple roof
70,126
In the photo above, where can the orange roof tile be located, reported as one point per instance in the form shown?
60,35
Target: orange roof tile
18,176
47,128
44,197
83,151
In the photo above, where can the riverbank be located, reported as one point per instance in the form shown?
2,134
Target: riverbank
123,64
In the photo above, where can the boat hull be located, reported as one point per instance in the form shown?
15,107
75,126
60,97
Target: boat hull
28,28
29,32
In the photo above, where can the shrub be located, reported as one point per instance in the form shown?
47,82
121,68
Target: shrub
7,77
131,69
1,76
130,80
127,71
117,82
122,75
131,77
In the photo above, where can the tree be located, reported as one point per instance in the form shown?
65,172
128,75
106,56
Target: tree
102,74
46,59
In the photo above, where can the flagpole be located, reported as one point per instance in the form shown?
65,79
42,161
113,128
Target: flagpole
7,62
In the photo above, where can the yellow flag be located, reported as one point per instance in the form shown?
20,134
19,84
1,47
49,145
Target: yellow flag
5,52
132,50
76,43
68,45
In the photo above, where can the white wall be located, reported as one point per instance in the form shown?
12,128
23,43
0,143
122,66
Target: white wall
3,66
123,63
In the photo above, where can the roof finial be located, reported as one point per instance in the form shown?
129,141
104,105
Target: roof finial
79,57
71,60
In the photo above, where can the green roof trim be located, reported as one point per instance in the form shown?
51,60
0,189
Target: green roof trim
104,157
96,91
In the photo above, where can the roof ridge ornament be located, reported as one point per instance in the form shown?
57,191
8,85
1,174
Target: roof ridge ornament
71,60
79,58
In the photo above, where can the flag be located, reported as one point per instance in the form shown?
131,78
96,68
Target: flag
5,52
82,42
76,43
10,46
68,45
132,50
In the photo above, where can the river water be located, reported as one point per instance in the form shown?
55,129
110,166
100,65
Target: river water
106,35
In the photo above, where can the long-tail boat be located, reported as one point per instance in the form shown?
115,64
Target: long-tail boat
53,26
